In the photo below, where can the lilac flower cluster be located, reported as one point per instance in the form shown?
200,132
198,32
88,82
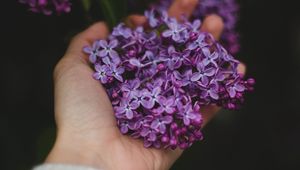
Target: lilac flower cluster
158,78
48,6
227,9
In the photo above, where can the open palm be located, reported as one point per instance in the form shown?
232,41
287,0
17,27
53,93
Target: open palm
87,129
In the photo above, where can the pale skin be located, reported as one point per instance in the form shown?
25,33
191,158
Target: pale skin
87,132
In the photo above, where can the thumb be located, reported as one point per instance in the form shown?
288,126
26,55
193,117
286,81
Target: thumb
74,55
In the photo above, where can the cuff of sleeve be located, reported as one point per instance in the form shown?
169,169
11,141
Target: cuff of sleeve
62,167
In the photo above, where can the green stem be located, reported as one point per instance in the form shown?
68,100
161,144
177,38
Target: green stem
108,12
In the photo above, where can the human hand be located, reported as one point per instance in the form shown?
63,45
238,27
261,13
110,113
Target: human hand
87,129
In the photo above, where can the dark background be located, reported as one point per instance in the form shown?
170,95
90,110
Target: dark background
264,134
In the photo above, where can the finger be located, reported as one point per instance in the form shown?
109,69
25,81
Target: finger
213,24
241,69
182,7
95,32
135,20
177,10
74,86
74,55
208,112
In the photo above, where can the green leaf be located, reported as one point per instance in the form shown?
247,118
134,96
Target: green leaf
113,10
86,4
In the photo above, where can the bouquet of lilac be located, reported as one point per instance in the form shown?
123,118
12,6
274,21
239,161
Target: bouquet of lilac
48,6
227,9
158,78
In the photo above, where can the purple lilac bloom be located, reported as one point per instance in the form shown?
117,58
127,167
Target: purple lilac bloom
203,74
175,30
227,9
188,114
108,51
48,6
116,72
93,51
126,109
153,21
166,105
158,77
160,123
121,30
101,73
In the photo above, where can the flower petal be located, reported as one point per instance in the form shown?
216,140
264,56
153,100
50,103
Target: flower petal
103,53
103,43
167,33
113,43
124,129
167,119
162,128
152,137
213,95
192,46
210,71
129,114
239,87
196,76
118,77
87,49
113,54
231,92
186,121
135,62
155,124
145,132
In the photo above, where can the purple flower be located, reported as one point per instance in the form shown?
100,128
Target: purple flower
116,72
108,50
151,17
143,121
159,124
174,31
131,86
234,88
203,74
195,25
48,6
152,97
126,108
125,126
175,59
121,30
149,134
142,98
209,57
199,43
227,9
211,91
92,51
166,105
188,114
101,73
157,84
184,79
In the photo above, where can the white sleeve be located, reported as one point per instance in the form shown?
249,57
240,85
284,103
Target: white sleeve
62,167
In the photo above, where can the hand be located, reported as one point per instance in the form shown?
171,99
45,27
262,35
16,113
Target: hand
87,130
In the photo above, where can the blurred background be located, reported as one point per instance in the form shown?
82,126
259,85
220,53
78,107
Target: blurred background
263,135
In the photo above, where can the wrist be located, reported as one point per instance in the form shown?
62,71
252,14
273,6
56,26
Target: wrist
75,152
